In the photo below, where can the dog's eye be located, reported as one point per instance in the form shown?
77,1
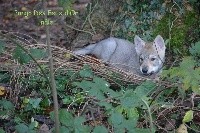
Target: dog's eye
153,59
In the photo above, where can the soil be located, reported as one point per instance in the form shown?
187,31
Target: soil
90,24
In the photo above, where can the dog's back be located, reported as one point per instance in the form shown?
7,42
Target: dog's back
140,58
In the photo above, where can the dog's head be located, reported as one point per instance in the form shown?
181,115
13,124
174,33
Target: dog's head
151,55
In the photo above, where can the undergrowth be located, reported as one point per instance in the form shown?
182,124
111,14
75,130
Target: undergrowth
89,103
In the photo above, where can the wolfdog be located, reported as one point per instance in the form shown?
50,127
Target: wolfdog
141,58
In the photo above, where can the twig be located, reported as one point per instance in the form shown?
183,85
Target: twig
88,16
150,117
196,131
89,20
112,28
79,29
53,84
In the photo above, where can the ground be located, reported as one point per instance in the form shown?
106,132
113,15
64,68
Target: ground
92,23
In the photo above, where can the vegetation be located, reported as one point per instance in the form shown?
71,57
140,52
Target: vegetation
90,103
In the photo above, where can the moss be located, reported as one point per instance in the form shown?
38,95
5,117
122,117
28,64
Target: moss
190,19
180,32
162,27
178,36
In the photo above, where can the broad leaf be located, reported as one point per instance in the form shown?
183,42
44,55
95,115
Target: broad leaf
100,129
64,129
7,104
24,58
66,118
21,56
101,83
86,72
188,116
143,90
79,126
35,102
2,131
84,84
22,128
116,119
38,53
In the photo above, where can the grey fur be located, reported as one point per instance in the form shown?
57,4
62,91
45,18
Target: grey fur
127,56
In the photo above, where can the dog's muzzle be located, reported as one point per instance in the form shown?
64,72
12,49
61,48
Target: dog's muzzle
145,71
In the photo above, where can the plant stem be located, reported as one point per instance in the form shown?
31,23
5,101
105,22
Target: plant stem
53,84
150,117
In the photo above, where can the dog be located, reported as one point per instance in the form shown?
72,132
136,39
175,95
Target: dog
141,58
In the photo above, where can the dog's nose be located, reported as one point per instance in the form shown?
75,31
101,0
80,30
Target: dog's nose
145,70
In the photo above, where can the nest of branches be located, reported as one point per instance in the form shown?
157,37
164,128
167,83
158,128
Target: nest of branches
63,59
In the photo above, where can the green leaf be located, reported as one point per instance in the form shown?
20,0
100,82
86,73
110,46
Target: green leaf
101,83
119,129
67,100
4,77
119,109
130,124
140,130
187,64
97,93
96,88
188,116
7,104
22,128
86,72
120,123
21,56
64,129
18,120
100,129
128,22
116,119
130,99
105,104
187,73
32,125
143,90
133,28
2,131
38,53
112,93
194,50
45,102
84,84
2,46
4,114
24,58
66,118
132,113
35,102
79,120
79,126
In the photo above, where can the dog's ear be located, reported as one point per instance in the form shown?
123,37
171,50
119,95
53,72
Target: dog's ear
139,44
159,45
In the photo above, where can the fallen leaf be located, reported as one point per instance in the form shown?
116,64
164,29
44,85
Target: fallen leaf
44,129
2,90
182,129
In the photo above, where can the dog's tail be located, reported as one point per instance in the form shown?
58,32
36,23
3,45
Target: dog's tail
86,50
